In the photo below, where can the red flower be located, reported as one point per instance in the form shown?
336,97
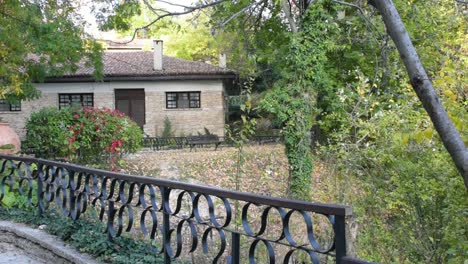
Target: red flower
76,116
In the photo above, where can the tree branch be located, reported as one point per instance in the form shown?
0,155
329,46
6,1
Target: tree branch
362,13
238,14
287,12
189,9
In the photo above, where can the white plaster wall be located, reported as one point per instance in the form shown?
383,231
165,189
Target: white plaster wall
150,86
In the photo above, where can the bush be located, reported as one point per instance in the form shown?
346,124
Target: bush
46,132
167,129
409,200
85,135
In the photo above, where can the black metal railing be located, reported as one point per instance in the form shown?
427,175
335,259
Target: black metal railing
164,143
179,218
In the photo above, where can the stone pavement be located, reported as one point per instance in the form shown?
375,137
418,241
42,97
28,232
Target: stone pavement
12,254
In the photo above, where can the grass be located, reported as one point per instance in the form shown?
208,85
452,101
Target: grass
264,171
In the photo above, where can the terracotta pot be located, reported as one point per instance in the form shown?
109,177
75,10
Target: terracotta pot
9,141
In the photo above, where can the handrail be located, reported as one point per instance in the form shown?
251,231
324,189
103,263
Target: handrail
120,196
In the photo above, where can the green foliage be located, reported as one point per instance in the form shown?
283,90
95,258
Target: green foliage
47,132
410,198
13,199
293,97
167,129
51,42
240,131
87,236
7,146
84,135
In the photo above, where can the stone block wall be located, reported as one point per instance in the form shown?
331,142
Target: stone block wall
17,120
104,100
185,122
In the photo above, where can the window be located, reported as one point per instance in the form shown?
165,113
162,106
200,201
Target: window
176,100
10,106
67,100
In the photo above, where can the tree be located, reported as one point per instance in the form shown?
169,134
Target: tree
39,39
422,85
260,11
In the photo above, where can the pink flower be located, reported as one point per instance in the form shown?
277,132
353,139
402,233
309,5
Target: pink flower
76,116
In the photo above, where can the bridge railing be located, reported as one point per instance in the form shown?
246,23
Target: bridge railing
181,219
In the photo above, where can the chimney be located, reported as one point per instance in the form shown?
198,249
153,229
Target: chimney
222,60
158,55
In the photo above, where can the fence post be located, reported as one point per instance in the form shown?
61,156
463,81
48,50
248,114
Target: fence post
166,224
340,237
235,248
40,189
110,220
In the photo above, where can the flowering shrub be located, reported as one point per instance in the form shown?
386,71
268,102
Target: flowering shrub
86,135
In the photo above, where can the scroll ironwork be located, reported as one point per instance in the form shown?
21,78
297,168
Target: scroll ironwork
179,218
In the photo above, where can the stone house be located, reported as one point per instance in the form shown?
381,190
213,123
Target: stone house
146,86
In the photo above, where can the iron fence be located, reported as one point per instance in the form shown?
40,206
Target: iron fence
164,143
180,218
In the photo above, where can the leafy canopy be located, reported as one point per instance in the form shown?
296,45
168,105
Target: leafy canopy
40,39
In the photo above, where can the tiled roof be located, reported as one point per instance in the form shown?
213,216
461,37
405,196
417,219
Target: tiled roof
135,64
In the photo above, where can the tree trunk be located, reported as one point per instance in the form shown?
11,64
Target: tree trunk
287,12
423,87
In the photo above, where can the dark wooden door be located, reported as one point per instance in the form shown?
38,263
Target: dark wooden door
132,103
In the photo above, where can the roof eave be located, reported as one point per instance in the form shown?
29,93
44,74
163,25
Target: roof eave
87,78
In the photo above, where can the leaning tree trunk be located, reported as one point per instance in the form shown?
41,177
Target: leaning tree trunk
423,86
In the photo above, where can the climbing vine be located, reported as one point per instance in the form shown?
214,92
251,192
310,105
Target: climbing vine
293,101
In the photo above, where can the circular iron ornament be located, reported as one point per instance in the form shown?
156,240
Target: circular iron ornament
154,219
24,170
196,211
61,176
193,232
179,239
120,221
49,193
264,220
78,205
5,167
92,185
214,222
72,184
10,183
222,236
179,204
102,207
61,199
112,191
253,246
75,185
310,231
313,257
29,186
49,174
152,193
129,198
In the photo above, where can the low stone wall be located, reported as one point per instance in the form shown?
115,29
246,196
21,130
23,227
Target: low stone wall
22,244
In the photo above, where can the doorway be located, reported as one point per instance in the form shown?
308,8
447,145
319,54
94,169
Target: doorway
132,103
